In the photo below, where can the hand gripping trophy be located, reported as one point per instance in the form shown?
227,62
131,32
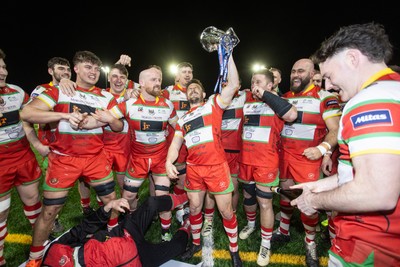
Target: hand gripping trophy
214,39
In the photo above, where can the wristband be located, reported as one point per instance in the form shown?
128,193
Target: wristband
326,143
322,149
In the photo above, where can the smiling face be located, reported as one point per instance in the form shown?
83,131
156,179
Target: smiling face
301,74
117,80
195,93
339,74
150,82
184,75
87,74
59,71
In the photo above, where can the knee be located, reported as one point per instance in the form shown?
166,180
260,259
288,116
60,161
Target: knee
49,212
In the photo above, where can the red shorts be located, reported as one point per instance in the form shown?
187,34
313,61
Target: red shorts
23,173
214,178
358,252
63,171
300,172
261,175
118,161
139,168
233,163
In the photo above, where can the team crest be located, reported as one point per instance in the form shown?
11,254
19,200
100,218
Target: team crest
82,96
64,260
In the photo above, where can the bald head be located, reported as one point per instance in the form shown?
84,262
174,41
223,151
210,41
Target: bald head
147,73
304,63
150,82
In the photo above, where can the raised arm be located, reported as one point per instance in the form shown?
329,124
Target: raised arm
232,85
124,60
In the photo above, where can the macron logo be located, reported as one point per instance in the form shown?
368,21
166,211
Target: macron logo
372,118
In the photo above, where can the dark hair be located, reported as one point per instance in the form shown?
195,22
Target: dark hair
2,54
121,69
369,38
395,68
267,73
86,56
57,60
196,81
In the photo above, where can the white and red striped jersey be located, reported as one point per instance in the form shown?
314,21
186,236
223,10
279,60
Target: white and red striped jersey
201,129
261,134
148,122
78,142
14,146
314,106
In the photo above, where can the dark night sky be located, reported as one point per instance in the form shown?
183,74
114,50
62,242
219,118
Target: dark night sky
276,35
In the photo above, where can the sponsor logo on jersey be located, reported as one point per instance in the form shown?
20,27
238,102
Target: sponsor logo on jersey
194,124
184,105
151,126
252,120
371,118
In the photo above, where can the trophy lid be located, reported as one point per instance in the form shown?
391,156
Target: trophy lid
211,37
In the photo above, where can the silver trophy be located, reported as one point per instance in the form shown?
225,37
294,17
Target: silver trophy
211,37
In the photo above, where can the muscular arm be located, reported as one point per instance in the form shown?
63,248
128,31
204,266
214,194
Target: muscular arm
282,107
173,123
375,187
34,140
232,84
101,118
173,152
38,112
332,124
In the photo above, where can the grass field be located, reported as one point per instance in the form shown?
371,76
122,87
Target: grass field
290,254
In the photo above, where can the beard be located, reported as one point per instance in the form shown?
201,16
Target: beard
303,85
195,100
58,77
156,91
